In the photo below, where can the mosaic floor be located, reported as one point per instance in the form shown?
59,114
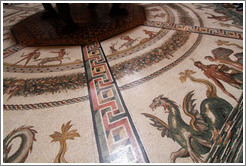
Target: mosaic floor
170,90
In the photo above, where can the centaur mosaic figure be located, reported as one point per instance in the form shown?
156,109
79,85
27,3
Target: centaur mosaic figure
58,58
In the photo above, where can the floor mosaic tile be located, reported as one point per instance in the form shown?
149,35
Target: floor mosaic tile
167,91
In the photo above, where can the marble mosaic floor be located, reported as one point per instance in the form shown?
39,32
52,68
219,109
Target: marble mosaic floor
170,90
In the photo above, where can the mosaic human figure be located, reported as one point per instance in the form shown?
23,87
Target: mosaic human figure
221,56
59,58
219,72
151,34
112,47
129,40
34,54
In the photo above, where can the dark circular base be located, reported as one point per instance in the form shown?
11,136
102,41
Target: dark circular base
91,26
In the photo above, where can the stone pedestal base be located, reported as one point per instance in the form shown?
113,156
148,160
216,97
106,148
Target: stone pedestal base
92,25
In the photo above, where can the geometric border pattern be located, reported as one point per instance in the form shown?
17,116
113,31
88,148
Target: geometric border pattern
116,136
35,69
13,49
196,29
122,88
13,107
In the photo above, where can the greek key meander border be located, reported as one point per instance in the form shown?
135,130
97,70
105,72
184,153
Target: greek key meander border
100,78
122,88
197,29
194,29
110,57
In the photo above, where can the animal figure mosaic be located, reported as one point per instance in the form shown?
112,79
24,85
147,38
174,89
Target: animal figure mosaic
151,34
27,135
221,56
197,137
227,15
59,58
226,70
129,42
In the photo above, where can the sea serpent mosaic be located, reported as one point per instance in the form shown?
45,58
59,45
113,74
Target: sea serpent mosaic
115,133
234,149
115,137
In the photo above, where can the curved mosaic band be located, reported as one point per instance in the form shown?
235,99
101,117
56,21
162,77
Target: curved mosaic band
149,42
13,49
164,69
196,29
13,107
55,68
122,88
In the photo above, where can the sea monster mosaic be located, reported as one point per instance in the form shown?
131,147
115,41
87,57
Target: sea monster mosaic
175,82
